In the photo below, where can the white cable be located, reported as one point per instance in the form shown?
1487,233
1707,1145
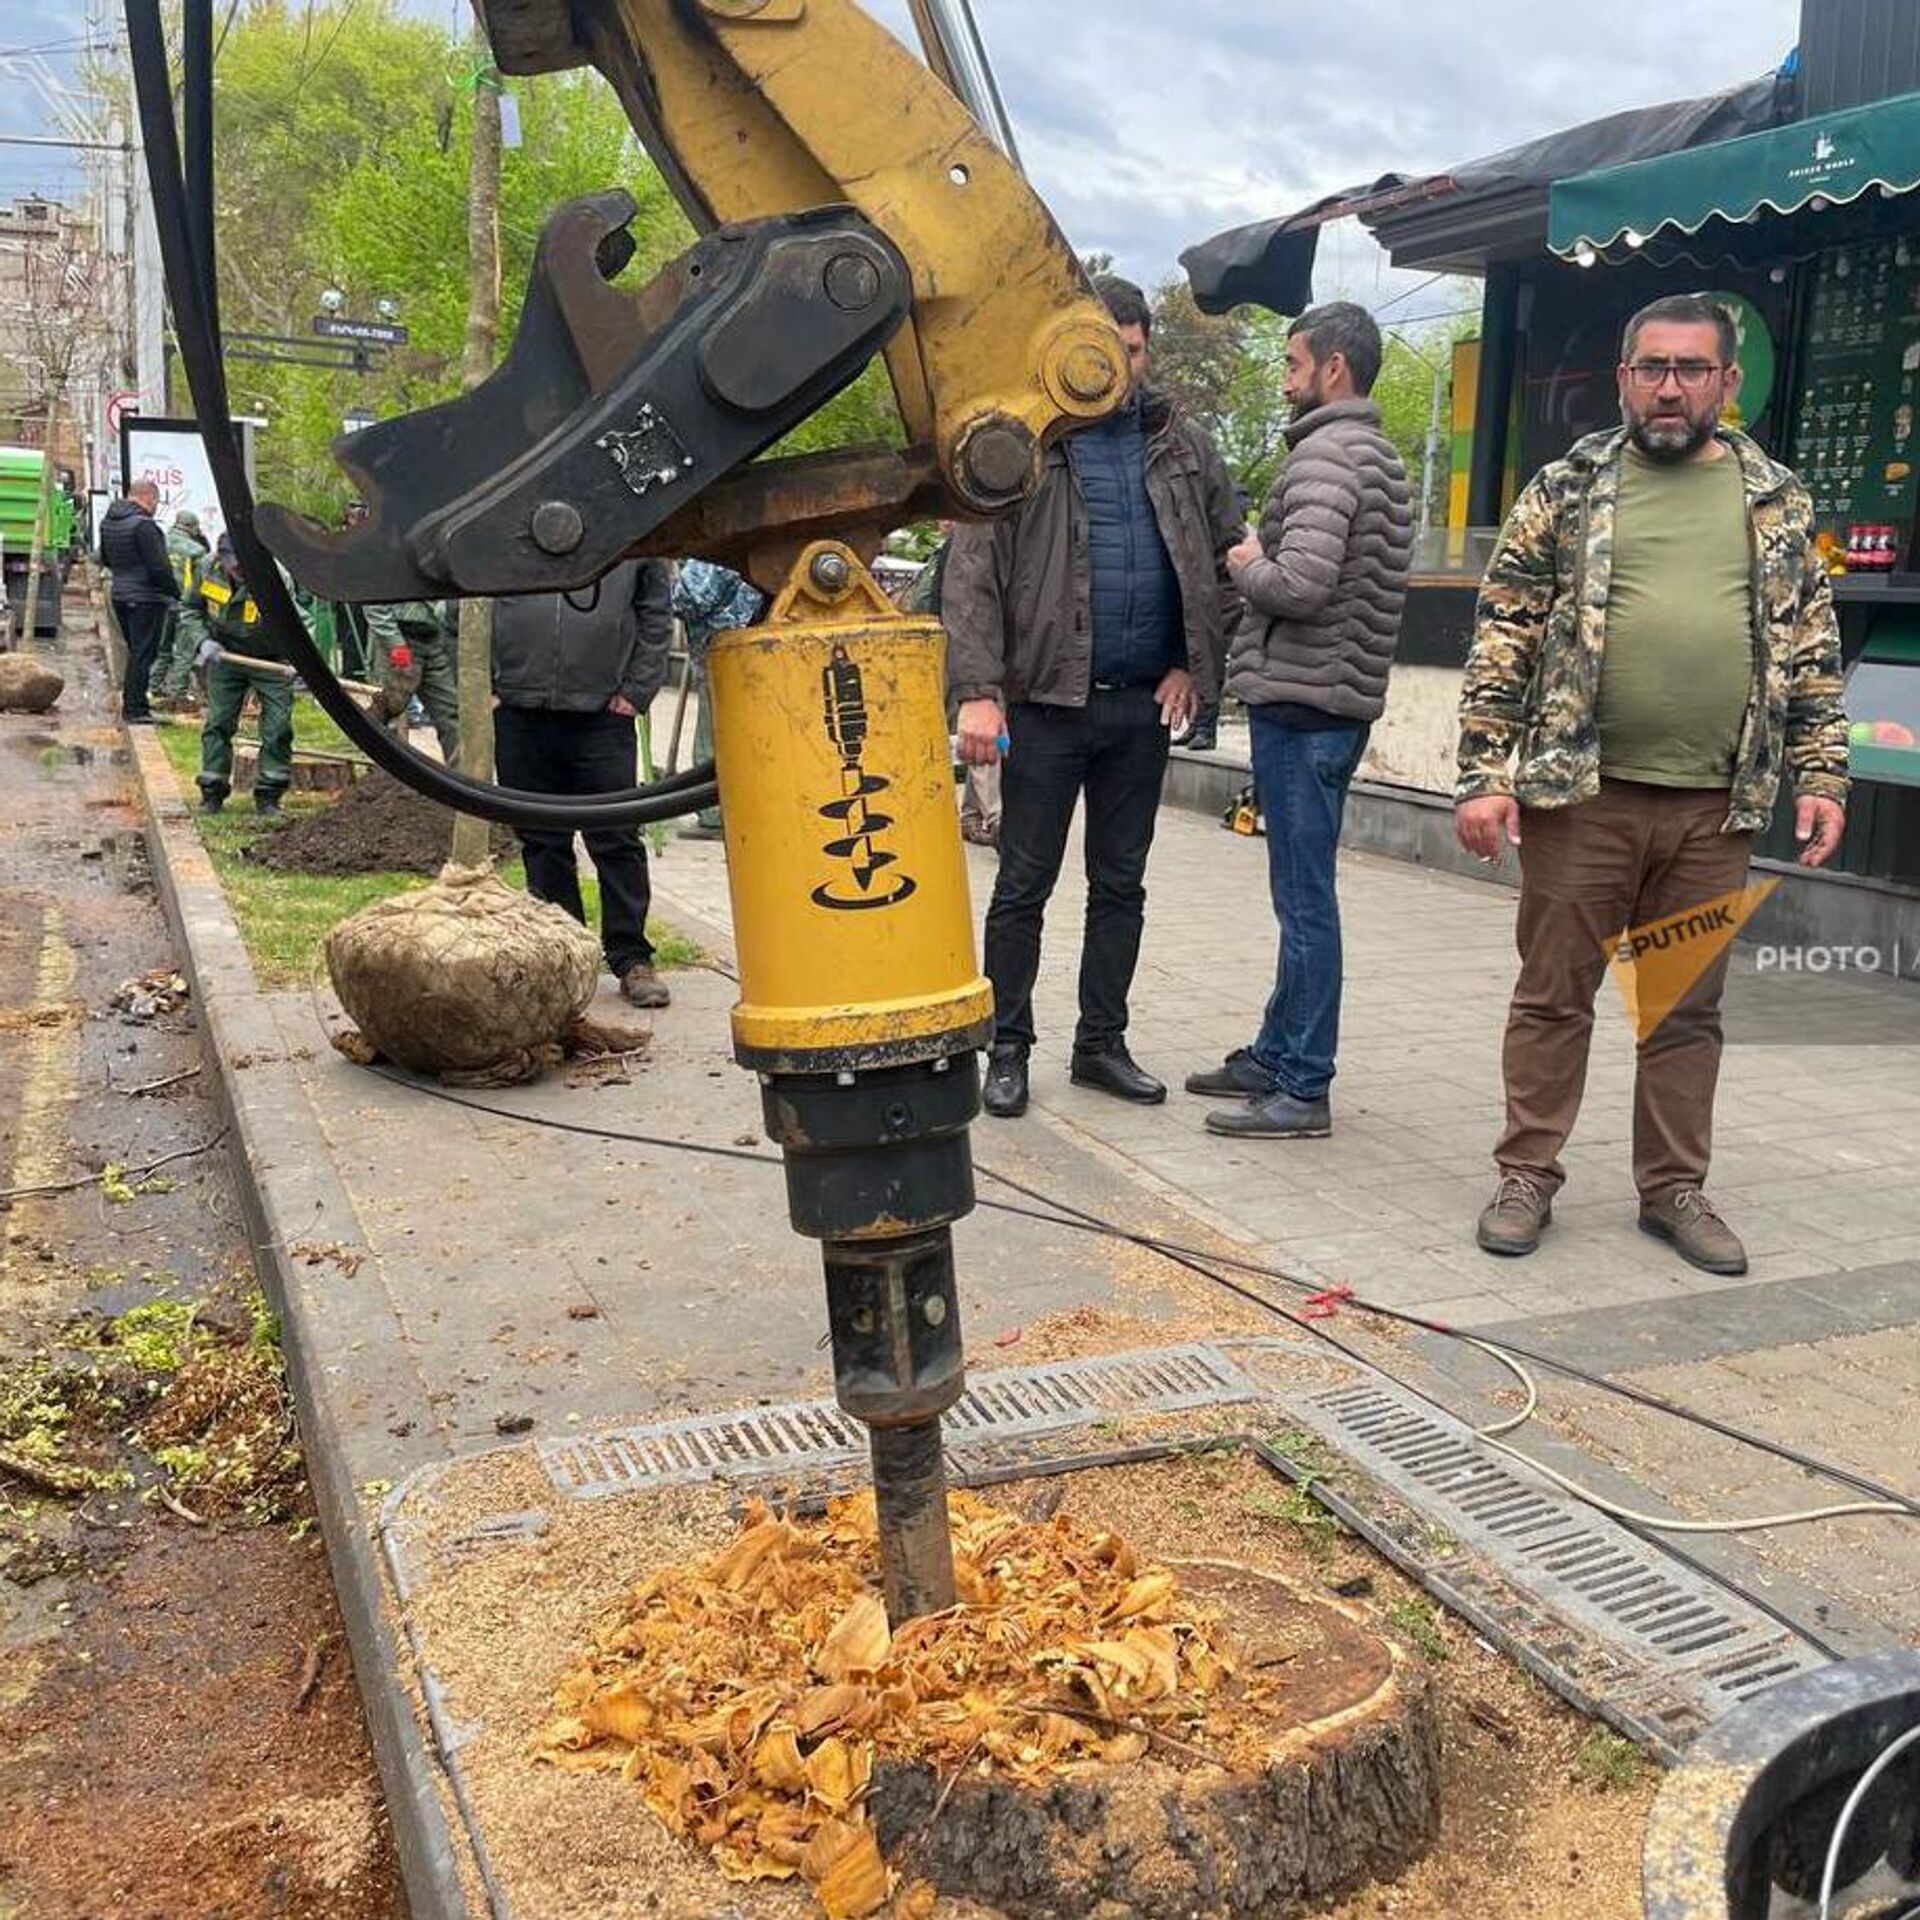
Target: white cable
1653,1522
1861,1789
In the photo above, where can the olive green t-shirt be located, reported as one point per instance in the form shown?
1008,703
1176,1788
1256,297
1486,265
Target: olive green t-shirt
1678,665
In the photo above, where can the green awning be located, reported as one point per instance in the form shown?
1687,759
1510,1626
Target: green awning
1837,157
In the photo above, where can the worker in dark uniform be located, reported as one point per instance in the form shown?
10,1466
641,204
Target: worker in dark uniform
226,603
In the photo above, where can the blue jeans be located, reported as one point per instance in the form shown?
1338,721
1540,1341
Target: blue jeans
1302,778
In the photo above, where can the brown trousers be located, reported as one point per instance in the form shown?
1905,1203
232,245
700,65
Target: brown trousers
1633,855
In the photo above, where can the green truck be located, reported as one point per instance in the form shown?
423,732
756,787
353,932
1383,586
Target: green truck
23,476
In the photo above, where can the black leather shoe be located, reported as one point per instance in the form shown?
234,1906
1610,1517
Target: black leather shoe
1278,1117
1005,1094
1238,1077
1114,1071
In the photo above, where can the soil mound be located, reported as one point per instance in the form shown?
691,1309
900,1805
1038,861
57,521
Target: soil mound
376,826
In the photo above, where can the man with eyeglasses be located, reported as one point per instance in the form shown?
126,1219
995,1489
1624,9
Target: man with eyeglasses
1656,646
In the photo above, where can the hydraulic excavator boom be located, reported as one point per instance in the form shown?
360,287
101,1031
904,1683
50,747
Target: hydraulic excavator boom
849,205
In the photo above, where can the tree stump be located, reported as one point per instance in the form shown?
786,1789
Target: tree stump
1350,1790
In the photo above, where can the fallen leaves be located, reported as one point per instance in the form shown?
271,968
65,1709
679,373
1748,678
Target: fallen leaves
751,1696
151,996
348,1259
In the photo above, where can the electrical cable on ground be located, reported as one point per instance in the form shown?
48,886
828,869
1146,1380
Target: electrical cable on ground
1639,1396
1645,1534
1881,1500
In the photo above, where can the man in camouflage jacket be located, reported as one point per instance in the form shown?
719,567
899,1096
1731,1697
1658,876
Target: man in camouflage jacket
1656,646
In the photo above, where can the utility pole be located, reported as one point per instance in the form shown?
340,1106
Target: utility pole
470,835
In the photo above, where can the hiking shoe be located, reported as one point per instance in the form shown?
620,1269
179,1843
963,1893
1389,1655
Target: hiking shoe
1274,1116
267,803
1005,1094
1685,1218
644,988
1238,1077
1514,1219
212,802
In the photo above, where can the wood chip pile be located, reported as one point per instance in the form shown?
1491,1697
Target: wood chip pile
752,1695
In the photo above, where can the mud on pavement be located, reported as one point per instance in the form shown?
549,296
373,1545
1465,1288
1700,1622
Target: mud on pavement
180,1734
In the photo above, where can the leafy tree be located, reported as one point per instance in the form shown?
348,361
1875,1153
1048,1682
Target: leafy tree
1228,370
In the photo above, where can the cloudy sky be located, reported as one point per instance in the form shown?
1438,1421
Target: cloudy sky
1149,124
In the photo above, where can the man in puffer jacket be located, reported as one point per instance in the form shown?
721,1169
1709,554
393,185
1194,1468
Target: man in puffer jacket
134,551
1324,582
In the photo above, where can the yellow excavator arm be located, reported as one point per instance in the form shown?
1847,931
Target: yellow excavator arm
849,205
762,115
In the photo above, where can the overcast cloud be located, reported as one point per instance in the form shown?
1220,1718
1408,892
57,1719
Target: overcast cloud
1149,124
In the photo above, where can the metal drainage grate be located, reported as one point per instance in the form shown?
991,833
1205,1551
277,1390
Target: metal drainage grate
811,1435
1700,1650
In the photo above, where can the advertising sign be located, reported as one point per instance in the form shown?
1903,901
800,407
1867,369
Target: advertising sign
171,454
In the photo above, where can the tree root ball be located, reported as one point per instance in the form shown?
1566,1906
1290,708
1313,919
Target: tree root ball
465,979
27,685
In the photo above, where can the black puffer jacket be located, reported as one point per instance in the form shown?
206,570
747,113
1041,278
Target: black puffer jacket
572,653
134,550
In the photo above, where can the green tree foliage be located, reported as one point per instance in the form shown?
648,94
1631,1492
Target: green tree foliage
1228,369
342,161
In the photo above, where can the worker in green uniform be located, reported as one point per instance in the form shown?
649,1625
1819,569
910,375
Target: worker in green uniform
173,682
414,652
233,620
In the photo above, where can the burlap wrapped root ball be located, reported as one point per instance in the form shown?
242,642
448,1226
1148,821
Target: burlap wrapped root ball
465,979
28,684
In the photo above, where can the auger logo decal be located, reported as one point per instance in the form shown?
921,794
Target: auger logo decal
859,825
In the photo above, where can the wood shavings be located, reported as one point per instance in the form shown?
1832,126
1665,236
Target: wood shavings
750,1695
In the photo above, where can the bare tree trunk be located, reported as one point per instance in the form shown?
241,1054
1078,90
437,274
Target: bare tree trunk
26,633
483,327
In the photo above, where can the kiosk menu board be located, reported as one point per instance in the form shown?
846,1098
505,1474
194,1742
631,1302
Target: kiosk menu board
1854,423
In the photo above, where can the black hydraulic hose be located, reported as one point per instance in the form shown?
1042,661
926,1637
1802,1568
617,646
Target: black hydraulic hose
190,281
197,71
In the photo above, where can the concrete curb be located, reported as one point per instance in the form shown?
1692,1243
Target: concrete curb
275,1131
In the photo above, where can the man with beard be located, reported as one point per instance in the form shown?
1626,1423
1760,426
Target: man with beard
1324,580
1656,643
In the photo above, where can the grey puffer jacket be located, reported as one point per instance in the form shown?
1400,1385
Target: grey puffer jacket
1323,606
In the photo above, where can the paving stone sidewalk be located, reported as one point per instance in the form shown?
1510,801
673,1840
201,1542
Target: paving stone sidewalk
1817,1139
456,1274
